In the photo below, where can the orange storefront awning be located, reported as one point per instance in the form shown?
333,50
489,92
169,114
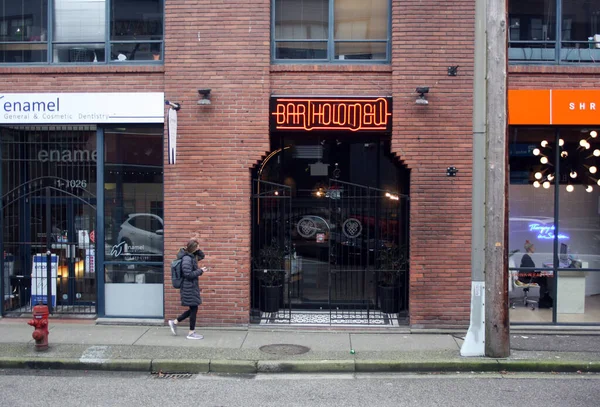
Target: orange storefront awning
554,107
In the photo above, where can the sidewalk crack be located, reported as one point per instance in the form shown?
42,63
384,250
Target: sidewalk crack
140,337
244,341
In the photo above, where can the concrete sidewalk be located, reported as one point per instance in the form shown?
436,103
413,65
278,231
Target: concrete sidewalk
76,344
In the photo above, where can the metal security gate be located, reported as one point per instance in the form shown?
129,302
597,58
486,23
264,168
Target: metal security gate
48,218
369,254
272,257
340,258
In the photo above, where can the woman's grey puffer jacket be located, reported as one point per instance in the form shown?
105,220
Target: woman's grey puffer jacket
190,291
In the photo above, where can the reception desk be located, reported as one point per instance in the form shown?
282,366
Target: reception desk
570,292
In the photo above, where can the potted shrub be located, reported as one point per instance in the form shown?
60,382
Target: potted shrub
270,267
392,266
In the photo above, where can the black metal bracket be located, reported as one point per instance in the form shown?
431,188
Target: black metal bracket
451,171
453,70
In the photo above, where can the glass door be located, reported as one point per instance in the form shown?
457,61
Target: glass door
72,248
48,217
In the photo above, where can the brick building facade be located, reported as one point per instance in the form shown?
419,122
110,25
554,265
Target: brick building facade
228,47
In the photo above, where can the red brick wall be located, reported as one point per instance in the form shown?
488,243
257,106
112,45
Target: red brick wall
428,37
224,46
553,77
82,79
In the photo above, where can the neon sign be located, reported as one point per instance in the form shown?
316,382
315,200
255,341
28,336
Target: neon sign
315,113
545,232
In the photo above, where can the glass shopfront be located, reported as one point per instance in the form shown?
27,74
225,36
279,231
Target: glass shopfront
554,224
49,213
133,219
48,217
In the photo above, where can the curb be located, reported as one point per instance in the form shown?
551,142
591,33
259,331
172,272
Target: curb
233,366
300,366
306,366
113,365
374,366
180,366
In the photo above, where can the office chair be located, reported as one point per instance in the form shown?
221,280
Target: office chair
528,293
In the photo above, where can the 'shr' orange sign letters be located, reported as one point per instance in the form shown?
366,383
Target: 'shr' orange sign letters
316,113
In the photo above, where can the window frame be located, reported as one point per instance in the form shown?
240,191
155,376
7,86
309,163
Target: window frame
332,42
108,43
557,47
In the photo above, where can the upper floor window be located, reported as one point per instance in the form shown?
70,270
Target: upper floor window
331,30
554,31
77,31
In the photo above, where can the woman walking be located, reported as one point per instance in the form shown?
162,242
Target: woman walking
190,291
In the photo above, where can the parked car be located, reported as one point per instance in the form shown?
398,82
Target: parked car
142,233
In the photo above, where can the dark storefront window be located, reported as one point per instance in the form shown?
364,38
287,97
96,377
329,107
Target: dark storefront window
330,229
49,206
554,225
78,31
331,30
533,28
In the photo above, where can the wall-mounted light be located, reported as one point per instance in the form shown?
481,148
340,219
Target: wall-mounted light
204,96
421,100
453,70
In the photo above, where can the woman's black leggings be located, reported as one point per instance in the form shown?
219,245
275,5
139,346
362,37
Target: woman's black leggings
190,313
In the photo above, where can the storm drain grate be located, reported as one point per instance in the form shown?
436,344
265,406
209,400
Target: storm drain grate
161,375
284,349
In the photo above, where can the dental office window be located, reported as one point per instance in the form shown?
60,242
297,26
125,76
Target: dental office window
77,31
133,193
331,30
554,32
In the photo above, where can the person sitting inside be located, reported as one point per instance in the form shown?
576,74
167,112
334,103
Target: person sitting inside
526,261
535,277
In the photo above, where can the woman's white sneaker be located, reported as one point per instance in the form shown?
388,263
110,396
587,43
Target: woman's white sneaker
194,335
173,327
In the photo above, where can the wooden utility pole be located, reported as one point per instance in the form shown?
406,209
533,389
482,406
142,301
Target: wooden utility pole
497,328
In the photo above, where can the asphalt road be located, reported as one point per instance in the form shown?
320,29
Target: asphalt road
60,388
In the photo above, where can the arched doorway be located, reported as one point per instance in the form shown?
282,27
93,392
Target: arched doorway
330,231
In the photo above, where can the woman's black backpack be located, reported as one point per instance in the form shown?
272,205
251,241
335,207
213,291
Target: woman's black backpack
176,273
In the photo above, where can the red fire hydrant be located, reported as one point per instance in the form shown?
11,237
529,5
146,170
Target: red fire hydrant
40,323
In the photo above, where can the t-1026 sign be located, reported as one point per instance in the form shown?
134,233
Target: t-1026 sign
331,113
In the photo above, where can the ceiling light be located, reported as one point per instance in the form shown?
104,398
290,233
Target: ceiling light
570,188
